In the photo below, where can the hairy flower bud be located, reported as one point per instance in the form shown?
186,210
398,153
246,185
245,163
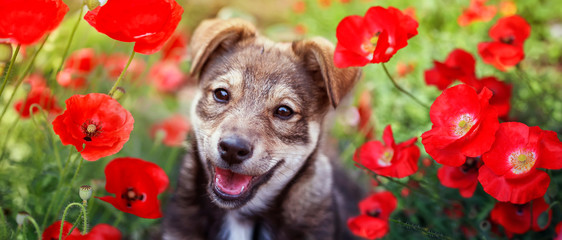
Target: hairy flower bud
20,218
85,192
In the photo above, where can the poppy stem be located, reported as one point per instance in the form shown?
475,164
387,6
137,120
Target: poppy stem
114,88
402,89
12,61
65,53
85,230
425,231
20,79
34,223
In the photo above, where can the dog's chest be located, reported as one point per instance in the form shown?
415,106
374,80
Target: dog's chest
236,228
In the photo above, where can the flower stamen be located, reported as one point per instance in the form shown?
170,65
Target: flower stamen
371,45
463,124
386,157
90,129
522,161
130,196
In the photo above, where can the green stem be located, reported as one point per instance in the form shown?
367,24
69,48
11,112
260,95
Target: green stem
401,89
423,230
12,61
65,53
20,79
172,160
75,224
85,231
122,74
37,229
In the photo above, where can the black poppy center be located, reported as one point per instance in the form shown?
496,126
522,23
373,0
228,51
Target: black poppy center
471,164
507,39
374,213
520,209
130,196
91,129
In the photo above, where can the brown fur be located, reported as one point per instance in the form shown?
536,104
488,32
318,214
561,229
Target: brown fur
299,193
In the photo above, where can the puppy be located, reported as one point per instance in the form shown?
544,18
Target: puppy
257,168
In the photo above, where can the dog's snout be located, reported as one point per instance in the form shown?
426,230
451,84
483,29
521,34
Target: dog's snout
235,150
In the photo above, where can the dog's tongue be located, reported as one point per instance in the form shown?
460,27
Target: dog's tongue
231,183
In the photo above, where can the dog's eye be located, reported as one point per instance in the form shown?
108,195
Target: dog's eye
221,95
283,112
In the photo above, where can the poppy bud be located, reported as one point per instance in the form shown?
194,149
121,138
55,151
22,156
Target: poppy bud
92,4
485,225
85,192
118,94
5,52
20,217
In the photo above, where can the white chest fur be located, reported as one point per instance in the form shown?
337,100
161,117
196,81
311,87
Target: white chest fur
236,228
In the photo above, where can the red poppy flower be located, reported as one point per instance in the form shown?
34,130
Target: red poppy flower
25,22
98,232
460,65
506,50
97,121
375,211
70,78
513,30
101,232
148,23
558,231
501,98
115,63
515,218
176,48
500,55
53,231
83,60
175,129
464,125
477,11
167,77
388,158
463,178
39,95
374,38
510,173
136,184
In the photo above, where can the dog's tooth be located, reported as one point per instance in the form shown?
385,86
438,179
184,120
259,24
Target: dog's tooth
216,180
242,189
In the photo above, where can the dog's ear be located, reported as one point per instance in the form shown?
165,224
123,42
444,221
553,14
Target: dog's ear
213,34
318,55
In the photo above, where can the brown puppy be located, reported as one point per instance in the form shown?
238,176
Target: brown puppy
258,170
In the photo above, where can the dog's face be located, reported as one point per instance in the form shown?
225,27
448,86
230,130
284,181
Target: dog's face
258,113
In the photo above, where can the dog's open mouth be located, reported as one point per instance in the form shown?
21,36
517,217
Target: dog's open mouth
231,184
234,188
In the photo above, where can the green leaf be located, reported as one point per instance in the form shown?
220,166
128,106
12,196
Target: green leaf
542,221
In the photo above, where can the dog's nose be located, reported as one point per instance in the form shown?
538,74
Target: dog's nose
235,150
